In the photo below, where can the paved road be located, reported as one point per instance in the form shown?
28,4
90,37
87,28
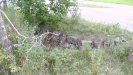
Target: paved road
113,14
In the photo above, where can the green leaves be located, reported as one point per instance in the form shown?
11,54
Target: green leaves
41,13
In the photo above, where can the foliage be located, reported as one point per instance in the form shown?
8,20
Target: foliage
83,27
121,51
86,61
66,62
4,63
44,13
70,62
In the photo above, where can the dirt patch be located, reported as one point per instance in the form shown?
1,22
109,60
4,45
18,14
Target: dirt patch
61,40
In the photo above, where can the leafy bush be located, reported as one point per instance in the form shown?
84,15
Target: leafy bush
4,63
41,13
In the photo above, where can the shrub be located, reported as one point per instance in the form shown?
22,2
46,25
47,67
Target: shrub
41,13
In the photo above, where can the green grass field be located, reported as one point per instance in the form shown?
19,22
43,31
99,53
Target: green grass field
128,2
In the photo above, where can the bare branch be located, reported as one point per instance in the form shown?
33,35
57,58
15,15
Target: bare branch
13,27
11,24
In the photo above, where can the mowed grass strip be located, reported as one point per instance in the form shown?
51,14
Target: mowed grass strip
127,2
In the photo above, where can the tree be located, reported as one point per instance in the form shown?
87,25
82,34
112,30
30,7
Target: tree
41,13
6,45
3,3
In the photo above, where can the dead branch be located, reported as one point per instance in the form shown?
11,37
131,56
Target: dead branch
11,24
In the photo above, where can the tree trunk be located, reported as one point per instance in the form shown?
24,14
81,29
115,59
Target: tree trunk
6,45
4,4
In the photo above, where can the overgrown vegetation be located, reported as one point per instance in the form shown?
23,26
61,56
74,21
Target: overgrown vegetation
86,61
43,13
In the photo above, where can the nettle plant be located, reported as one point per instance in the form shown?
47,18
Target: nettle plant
42,13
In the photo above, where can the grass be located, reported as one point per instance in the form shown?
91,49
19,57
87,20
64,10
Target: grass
127,2
88,28
43,61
